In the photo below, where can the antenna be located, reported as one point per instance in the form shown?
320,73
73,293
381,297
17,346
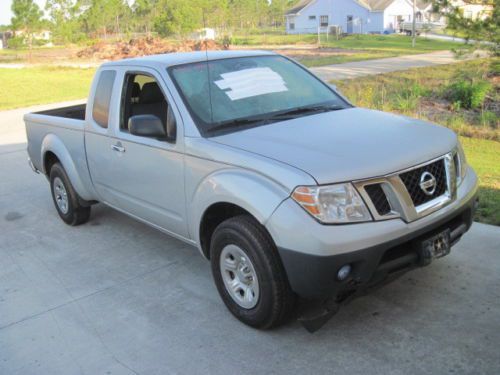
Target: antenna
208,68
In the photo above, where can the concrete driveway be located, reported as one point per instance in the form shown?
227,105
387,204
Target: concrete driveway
117,297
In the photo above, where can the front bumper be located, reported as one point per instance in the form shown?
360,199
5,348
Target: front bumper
312,253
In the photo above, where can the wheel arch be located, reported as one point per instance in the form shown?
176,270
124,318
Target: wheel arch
229,193
53,150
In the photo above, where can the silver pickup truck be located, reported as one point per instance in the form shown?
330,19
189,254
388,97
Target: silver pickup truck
300,200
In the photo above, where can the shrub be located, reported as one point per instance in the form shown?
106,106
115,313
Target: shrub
468,95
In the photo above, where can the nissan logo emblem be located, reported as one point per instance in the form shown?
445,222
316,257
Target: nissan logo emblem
428,183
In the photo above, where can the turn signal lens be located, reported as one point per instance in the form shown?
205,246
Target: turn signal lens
338,203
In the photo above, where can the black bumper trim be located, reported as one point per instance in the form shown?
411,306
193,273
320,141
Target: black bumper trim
314,277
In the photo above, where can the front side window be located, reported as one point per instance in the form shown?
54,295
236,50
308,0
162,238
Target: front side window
142,96
236,93
102,98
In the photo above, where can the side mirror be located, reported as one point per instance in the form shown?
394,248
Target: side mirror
146,126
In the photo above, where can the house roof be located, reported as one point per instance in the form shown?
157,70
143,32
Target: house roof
298,7
372,5
423,4
377,5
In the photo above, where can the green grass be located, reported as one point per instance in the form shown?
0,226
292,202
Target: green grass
398,44
349,48
484,157
42,85
343,58
421,93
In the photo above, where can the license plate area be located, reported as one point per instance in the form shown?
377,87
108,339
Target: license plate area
435,246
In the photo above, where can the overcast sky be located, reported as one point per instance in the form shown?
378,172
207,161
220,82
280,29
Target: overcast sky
6,14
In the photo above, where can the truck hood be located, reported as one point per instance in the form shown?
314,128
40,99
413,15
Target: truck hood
346,145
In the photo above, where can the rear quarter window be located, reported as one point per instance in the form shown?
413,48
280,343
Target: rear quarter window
102,97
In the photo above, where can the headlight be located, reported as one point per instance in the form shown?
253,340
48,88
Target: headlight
338,203
460,164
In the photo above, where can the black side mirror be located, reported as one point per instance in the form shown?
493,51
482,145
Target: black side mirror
146,126
171,126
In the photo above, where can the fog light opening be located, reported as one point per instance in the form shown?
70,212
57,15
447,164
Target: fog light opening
344,272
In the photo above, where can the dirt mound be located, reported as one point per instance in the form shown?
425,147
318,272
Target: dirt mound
144,46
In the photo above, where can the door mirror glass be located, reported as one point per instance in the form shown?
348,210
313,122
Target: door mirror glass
146,126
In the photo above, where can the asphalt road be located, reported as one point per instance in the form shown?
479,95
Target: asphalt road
117,297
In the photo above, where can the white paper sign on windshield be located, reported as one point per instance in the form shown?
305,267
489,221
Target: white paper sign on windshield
251,82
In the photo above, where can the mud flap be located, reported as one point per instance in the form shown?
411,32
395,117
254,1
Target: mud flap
314,315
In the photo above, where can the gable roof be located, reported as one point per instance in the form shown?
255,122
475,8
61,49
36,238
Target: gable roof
423,4
372,5
298,7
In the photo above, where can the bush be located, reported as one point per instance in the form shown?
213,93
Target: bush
468,95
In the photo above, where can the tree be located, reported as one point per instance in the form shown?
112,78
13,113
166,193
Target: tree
145,12
27,18
105,15
64,19
178,17
484,31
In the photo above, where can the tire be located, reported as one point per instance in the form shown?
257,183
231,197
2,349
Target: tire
73,212
268,301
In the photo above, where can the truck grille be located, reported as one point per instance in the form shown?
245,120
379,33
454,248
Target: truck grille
410,194
378,198
411,179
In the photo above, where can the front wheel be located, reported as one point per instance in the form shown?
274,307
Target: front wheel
66,200
248,273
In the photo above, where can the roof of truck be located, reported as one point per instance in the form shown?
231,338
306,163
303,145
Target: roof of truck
177,58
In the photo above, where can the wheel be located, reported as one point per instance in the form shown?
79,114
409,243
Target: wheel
66,199
249,274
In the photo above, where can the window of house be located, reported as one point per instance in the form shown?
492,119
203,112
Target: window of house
323,21
312,18
102,98
291,26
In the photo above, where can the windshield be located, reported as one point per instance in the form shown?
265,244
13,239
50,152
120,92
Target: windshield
236,93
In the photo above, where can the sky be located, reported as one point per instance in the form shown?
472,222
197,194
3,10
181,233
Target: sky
6,14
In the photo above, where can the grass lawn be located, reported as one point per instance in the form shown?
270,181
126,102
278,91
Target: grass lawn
349,48
395,43
42,85
338,58
484,157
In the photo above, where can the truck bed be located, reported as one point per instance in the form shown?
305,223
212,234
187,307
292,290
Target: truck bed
76,112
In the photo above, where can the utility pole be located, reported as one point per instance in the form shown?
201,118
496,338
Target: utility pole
414,26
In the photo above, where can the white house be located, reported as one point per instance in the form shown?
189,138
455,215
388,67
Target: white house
352,16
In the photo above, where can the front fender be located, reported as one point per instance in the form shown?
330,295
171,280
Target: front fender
54,144
254,193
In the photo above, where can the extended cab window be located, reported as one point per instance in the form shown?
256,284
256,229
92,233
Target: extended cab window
102,98
142,96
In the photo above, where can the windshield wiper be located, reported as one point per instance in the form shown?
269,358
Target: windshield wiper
292,113
235,123
300,111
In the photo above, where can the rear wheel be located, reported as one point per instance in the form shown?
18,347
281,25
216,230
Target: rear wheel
248,273
66,200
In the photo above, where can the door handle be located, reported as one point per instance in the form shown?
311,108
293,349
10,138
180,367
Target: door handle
118,147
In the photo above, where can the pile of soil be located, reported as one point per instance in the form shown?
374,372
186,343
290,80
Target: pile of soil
144,46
